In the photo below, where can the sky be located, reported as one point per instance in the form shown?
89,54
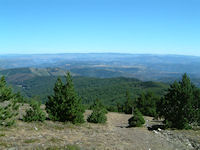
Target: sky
84,26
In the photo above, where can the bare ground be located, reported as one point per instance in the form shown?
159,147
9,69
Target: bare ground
111,136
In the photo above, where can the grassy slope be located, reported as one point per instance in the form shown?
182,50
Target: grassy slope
113,136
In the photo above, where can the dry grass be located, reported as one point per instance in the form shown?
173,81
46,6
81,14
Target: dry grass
110,136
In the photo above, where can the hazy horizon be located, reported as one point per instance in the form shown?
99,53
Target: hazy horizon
60,53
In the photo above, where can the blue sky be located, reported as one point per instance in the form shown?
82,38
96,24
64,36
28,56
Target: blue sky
126,26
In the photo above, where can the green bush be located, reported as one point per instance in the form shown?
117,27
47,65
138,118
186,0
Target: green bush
73,147
97,105
68,147
137,120
97,117
35,113
99,113
8,113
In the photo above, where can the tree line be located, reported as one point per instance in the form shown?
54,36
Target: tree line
179,107
64,105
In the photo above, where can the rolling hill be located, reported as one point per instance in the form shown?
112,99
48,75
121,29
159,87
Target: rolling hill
40,82
146,67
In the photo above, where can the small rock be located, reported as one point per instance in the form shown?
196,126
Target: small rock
190,145
154,131
36,128
159,129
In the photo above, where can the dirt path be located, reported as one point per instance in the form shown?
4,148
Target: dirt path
138,138
112,136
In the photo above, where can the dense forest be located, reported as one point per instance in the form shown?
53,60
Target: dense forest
109,90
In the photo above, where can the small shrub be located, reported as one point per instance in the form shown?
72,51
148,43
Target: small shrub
97,105
137,120
72,147
2,134
28,141
35,113
4,144
55,140
99,113
8,113
97,117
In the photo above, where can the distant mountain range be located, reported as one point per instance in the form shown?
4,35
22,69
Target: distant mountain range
146,67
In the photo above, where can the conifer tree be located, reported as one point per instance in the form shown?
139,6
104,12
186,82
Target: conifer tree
179,106
5,91
34,113
8,106
146,103
137,120
98,114
65,105
196,106
128,104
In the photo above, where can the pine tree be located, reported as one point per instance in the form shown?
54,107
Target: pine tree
5,91
97,105
34,113
128,104
137,120
8,106
98,114
146,104
65,105
196,105
178,105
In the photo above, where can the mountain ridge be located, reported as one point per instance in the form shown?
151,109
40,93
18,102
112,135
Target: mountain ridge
146,67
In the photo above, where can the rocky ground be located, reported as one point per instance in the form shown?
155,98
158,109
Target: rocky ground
114,135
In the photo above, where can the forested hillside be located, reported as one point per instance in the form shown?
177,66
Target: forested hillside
110,90
40,82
